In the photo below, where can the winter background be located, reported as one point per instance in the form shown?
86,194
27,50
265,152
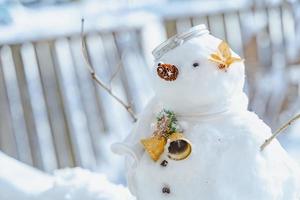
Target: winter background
53,116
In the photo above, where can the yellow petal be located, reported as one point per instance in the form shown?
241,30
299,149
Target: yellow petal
216,61
224,50
215,57
231,60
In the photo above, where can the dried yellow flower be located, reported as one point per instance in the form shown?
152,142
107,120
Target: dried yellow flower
223,56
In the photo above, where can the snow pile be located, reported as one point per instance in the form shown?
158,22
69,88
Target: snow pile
291,139
21,182
78,184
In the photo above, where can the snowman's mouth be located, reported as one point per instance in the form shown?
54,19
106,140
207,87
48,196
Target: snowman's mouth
167,72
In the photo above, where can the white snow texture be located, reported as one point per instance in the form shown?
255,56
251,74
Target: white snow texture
21,182
226,162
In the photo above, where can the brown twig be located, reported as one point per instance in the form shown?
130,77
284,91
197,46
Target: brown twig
98,80
269,140
119,66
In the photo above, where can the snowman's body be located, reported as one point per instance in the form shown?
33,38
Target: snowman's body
226,162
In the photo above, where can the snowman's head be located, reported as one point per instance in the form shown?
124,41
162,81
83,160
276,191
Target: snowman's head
186,80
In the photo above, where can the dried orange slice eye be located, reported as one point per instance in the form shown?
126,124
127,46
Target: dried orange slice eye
167,72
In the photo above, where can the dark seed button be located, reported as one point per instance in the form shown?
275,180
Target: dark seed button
164,163
195,64
166,190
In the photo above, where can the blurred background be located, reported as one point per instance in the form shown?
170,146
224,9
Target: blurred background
52,115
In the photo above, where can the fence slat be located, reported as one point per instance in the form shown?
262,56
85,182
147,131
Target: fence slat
183,24
53,98
233,32
139,88
216,26
40,115
76,118
91,105
15,106
200,20
7,139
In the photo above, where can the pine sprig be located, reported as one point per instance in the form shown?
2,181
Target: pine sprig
167,123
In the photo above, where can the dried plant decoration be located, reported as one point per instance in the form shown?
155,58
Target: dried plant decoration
167,72
94,76
269,140
166,130
223,56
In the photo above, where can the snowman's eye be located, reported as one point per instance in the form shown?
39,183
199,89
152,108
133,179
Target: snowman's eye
196,64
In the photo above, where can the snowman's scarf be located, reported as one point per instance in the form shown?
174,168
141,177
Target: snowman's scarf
142,128
235,105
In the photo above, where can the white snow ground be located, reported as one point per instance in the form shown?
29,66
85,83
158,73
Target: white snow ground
21,182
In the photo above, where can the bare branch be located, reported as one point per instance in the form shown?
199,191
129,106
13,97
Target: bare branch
269,140
119,66
98,80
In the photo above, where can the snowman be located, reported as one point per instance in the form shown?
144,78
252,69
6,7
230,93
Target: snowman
196,140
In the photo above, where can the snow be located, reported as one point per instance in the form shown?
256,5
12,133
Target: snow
78,184
21,182
226,161
18,180
291,139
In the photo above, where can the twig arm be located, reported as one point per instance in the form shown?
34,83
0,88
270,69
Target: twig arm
98,80
269,140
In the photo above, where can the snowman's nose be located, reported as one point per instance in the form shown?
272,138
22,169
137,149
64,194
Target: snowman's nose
168,72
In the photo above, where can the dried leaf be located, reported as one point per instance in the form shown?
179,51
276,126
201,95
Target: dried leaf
215,57
224,50
216,61
232,60
223,56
